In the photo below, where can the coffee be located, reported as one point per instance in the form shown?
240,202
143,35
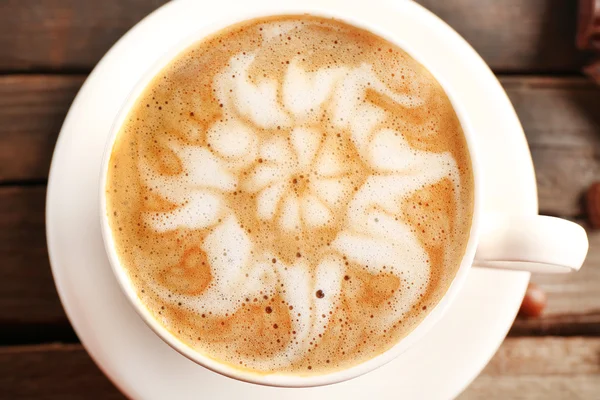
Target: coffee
292,194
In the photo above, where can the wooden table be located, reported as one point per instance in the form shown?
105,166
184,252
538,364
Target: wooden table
47,48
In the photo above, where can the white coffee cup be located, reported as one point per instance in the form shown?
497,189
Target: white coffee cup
523,242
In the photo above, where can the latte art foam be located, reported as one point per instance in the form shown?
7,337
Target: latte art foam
291,195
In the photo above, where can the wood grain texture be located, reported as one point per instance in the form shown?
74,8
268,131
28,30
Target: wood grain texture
540,368
561,119
64,34
516,35
559,116
523,368
511,35
52,372
27,292
32,109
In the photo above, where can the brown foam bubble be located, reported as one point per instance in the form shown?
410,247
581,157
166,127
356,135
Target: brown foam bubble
190,97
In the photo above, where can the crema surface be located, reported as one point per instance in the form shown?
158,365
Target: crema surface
292,194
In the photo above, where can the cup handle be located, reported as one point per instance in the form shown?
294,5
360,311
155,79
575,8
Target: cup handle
533,243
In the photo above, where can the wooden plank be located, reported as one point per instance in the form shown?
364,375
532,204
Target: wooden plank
540,368
27,292
523,368
561,118
516,35
28,296
52,372
32,109
64,34
511,35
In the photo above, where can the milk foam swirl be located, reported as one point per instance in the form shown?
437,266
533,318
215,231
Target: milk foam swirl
370,233
291,195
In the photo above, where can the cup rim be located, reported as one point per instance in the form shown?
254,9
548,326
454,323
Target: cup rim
277,379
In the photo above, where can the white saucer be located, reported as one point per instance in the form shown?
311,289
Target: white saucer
441,365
